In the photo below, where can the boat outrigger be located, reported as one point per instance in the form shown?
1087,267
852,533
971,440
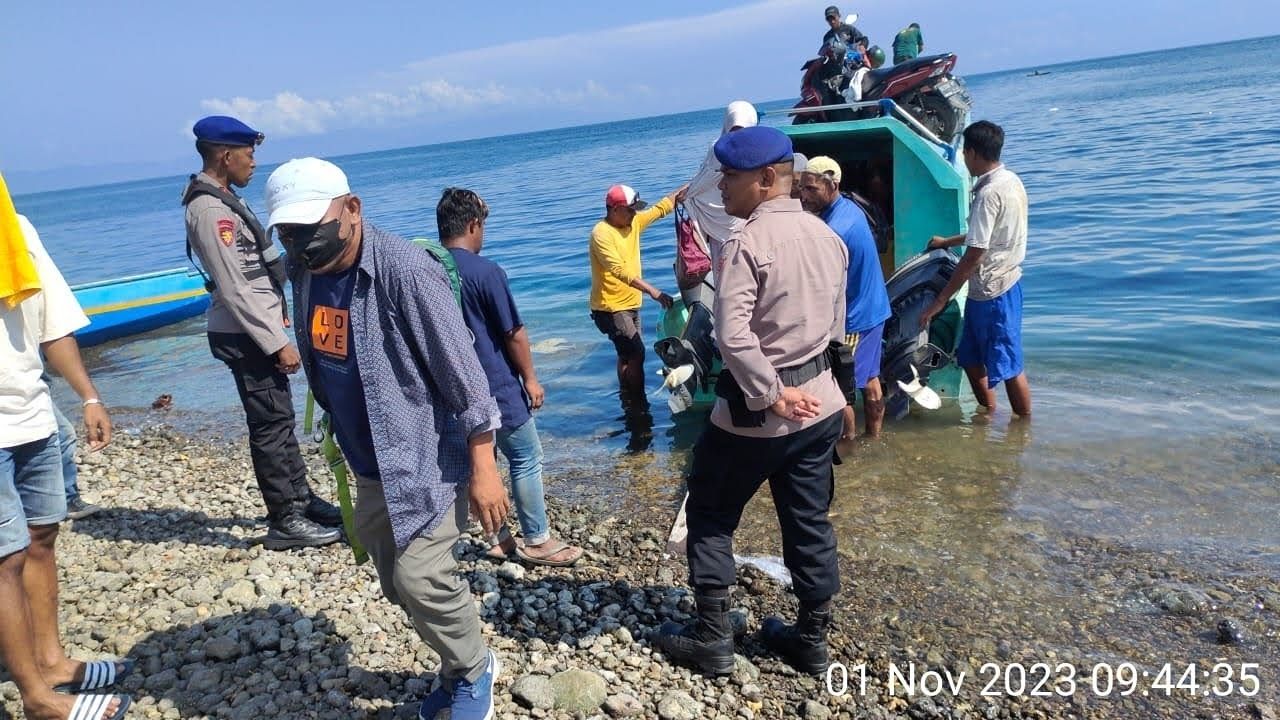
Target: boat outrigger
139,303
921,186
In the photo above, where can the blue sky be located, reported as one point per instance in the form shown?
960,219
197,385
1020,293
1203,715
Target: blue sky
108,91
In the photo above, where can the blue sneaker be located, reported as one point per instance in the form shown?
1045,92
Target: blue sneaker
438,699
474,701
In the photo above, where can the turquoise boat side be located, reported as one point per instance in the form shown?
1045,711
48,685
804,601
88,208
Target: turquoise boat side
128,306
930,197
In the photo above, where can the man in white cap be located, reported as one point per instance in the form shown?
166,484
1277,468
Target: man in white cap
388,355
616,284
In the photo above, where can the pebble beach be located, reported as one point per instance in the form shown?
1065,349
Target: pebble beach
171,575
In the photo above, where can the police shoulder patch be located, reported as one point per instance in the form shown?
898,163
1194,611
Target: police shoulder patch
227,231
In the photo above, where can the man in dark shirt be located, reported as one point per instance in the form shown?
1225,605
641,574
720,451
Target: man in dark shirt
502,345
843,32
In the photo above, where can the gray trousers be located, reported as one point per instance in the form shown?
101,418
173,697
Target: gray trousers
423,581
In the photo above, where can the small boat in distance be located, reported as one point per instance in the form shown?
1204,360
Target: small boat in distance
1039,72
138,303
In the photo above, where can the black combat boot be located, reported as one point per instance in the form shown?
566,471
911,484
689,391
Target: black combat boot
288,527
707,642
803,645
323,513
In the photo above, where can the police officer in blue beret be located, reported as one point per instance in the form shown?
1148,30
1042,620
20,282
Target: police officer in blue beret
780,312
244,273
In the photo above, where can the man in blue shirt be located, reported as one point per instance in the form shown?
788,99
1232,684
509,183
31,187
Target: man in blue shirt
387,354
502,345
867,300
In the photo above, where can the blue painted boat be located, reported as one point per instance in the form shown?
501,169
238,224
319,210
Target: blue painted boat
138,303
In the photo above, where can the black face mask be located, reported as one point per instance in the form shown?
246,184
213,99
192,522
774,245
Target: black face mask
318,246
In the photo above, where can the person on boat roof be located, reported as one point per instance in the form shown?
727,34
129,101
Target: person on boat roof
842,32
866,299
908,44
712,223
779,307
616,282
990,348
246,327
389,357
502,345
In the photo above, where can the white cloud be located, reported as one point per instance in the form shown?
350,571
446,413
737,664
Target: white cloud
623,66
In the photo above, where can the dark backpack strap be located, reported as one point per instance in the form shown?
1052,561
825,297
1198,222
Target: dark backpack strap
274,268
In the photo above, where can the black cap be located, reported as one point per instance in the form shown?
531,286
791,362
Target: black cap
832,11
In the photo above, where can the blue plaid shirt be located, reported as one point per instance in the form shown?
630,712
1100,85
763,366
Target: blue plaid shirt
425,391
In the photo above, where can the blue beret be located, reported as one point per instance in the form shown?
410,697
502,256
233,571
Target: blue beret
225,130
753,147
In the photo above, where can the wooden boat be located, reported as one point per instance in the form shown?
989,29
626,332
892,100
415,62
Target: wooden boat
922,188
138,303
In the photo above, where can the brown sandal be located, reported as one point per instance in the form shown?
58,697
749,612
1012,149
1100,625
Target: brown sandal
554,548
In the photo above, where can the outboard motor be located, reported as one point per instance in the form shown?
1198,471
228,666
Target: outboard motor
910,351
692,353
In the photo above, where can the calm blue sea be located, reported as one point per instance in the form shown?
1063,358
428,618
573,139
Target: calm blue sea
1152,303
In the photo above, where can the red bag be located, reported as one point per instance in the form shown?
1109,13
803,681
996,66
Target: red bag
690,254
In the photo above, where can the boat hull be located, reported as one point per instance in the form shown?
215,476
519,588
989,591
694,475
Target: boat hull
132,305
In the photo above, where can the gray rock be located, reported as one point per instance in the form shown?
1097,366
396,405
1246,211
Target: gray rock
205,680
269,587
303,627
222,648
534,691
242,593
578,690
510,571
161,681
623,705
678,705
1179,600
744,671
813,710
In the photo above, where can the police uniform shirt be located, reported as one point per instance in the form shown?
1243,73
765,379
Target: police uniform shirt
779,301
244,298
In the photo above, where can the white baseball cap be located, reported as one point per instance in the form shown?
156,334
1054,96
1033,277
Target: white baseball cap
299,192
799,162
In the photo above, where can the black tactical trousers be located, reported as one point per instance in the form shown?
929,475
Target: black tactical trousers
268,409
727,471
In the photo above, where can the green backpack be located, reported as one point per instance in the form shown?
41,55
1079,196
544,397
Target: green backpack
442,254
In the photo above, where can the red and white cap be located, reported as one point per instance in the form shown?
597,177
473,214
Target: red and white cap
624,195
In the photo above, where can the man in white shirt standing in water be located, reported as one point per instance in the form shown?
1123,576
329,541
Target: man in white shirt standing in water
991,344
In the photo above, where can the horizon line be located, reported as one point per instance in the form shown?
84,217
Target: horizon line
461,140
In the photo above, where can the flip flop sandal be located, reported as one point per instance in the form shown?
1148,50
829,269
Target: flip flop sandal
91,707
556,548
98,674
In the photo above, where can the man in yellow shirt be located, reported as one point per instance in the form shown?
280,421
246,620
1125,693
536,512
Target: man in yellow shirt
616,285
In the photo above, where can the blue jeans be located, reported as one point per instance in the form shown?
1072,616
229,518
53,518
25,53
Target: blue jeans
67,443
523,451
30,491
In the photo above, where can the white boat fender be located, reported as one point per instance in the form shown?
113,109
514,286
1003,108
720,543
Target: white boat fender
922,394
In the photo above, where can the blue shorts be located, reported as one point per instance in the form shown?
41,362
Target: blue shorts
868,348
31,491
992,336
